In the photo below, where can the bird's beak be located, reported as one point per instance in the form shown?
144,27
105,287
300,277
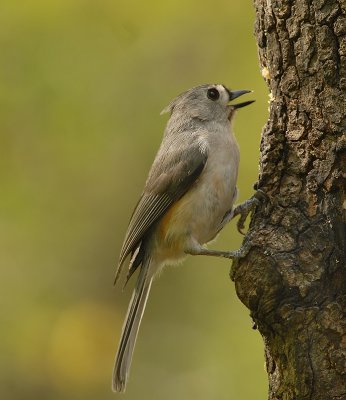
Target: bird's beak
236,93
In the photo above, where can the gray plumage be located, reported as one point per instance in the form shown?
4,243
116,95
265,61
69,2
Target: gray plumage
187,199
173,172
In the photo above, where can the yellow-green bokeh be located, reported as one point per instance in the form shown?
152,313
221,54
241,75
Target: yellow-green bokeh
82,83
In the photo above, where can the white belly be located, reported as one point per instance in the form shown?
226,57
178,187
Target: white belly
199,213
205,205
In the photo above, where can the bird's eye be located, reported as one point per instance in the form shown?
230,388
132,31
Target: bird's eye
213,94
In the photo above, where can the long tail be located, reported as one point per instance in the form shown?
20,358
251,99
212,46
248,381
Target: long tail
130,329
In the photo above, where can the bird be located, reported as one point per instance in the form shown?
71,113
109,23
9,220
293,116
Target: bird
188,198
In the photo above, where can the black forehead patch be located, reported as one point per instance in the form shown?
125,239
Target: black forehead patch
228,91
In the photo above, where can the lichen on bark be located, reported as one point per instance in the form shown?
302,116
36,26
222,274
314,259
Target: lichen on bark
294,278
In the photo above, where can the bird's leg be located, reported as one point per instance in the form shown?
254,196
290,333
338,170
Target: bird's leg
227,218
247,207
197,250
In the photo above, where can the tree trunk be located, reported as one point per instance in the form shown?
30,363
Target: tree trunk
293,280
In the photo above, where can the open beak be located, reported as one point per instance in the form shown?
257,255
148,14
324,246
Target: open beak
236,93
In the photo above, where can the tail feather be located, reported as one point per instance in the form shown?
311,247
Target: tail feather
130,330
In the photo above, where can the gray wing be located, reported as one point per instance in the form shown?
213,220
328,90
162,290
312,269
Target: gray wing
171,175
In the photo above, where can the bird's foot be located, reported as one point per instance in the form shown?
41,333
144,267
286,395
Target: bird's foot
246,208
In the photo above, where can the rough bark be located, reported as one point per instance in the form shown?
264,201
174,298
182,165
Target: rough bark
293,280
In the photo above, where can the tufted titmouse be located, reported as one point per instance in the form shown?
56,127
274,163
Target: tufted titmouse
187,199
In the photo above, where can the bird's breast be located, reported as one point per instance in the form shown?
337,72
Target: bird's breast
200,211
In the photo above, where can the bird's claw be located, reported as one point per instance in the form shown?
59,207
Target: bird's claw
247,207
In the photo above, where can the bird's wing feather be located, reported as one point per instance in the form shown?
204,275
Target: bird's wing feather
171,175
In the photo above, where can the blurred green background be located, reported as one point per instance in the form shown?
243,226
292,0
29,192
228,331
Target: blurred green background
82,84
